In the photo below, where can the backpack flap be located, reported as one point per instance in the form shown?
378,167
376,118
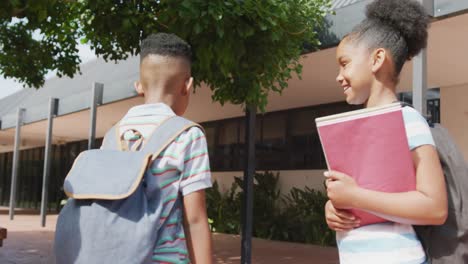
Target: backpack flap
112,174
105,174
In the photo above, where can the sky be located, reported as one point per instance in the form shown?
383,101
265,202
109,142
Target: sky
10,86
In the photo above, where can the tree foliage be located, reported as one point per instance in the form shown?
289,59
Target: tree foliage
243,49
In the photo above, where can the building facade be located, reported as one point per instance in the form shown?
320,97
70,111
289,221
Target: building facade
286,139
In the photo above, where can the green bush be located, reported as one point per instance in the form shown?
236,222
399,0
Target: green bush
224,209
266,206
295,217
306,223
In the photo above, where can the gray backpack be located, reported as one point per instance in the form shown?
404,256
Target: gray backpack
448,243
109,217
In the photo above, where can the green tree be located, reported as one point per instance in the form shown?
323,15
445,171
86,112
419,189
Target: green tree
243,49
37,36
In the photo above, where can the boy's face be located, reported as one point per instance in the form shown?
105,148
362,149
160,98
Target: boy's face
355,75
166,79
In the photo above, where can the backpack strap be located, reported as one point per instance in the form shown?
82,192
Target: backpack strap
172,126
165,134
111,139
120,172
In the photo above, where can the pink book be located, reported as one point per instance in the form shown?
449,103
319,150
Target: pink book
371,146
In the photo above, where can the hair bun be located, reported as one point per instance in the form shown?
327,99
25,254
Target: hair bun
407,17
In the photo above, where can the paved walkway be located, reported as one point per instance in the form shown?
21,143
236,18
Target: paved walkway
28,243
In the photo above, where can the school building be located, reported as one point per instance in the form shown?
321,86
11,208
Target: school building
84,108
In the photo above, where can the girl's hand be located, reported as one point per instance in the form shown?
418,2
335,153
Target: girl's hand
341,189
339,220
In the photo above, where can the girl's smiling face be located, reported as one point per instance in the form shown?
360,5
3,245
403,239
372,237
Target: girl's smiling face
355,75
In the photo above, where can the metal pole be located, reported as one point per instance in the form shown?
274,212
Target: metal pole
16,154
96,93
420,70
247,209
420,82
53,110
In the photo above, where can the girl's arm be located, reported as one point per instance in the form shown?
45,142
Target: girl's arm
197,232
425,206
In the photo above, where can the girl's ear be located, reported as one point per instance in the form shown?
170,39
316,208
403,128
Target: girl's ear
378,58
139,88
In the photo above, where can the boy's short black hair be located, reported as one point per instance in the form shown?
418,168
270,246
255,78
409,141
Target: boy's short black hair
399,26
165,44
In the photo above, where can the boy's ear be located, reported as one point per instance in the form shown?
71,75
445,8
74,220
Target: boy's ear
378,58
188,86
139,88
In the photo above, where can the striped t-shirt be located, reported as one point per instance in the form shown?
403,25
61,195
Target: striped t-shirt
186,158
388,243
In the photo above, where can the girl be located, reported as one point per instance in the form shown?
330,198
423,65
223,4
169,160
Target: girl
371,58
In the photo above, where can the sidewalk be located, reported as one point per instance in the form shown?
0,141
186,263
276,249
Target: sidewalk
28,243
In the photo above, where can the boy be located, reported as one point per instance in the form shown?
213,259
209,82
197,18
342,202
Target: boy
166,83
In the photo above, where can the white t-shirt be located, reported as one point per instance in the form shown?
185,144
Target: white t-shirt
388,243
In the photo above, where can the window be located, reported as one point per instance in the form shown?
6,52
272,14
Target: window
433,110
285,140
271,147
228,147
432,103
306,150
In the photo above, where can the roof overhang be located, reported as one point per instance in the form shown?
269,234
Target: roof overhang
446,67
